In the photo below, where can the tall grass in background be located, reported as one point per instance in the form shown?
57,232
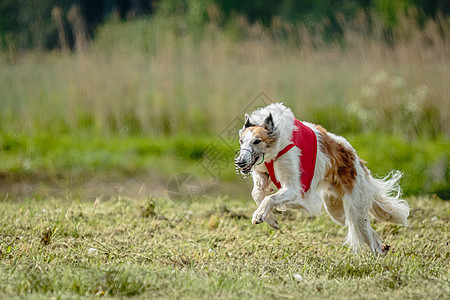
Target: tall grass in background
167,74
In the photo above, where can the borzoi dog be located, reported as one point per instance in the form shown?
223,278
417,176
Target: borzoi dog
311,167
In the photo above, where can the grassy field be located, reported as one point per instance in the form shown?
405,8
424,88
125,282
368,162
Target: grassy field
208,249
90,143
75,158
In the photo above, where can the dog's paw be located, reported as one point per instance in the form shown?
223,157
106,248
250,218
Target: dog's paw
385,249
258,217
272,221
263,214
264,217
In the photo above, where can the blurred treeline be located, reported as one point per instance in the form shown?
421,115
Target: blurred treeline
70,24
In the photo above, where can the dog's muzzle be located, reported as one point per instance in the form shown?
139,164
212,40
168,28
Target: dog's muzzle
241,166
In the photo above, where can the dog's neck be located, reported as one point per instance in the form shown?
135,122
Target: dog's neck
284,139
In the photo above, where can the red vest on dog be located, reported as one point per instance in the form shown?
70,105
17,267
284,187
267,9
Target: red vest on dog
305,140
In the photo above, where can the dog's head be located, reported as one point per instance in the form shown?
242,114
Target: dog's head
254,141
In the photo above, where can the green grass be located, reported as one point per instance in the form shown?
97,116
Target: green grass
69,155
83,156
151,248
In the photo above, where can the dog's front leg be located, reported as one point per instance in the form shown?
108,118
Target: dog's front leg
285,194
260,190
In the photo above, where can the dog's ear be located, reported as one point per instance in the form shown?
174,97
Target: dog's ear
268,124
247,121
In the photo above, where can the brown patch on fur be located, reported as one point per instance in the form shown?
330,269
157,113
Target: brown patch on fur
342,172
261,133
335,208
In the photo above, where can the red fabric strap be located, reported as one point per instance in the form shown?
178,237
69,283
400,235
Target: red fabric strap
305,139
269,165
285,150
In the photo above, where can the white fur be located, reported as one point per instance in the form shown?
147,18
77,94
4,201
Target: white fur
358,203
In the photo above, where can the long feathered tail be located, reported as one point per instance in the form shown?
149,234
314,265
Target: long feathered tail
387,204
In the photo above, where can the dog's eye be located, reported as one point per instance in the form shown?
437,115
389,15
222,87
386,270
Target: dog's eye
256,142
240,141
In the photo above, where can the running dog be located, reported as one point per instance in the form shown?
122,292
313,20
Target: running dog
311,167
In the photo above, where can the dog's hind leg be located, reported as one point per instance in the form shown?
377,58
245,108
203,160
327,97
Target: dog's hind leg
260,190
358,222
379,197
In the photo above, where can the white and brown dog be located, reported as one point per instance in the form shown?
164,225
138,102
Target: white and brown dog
311,167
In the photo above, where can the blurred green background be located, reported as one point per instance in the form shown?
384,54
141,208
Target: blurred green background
112,90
